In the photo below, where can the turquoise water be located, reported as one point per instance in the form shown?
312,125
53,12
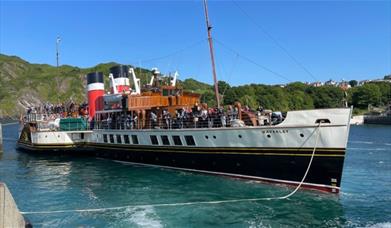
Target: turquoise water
51,183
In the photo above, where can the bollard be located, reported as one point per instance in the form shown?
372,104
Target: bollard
1,139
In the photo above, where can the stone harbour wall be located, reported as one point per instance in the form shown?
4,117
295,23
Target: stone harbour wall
9,212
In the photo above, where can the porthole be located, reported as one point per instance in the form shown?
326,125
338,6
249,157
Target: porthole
269,136
207,137
301,135
58,136
240,136
214,136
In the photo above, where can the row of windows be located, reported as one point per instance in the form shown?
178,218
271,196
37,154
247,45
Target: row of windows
154,140
119,139
175,138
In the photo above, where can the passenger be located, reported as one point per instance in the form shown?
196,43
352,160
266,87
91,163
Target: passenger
235,113
134,122
167,118
211,117
196,114
230,113
204,118
153,119
128,122
180,117
109,121
222,117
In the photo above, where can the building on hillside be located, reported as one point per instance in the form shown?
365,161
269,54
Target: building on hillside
344,85
316,84
360,83
330,83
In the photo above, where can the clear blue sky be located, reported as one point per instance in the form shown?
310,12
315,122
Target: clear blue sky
338,40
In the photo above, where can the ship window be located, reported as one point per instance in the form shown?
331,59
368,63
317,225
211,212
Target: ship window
165,140
111,138
189,140
119,139
105,138
126,139
134,139
165,92
177,140
154,140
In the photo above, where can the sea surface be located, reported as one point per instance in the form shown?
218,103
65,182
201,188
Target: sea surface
134,194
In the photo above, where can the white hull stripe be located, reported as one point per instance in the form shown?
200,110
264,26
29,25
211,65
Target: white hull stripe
95,86
230,174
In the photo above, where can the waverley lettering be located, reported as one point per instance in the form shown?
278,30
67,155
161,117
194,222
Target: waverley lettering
282,131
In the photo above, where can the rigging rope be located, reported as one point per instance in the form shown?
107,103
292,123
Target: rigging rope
251,61
175,52
275,41
317,131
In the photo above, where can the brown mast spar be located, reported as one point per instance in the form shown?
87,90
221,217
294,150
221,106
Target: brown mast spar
209,27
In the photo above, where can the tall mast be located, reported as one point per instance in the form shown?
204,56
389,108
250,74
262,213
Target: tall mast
58,49
212,58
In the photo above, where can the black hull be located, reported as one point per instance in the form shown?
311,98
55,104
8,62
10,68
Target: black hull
282,165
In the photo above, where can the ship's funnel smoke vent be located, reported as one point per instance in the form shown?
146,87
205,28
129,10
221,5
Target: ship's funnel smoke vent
120,71
94,77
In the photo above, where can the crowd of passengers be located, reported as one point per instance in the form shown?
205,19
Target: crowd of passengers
51,111
198,116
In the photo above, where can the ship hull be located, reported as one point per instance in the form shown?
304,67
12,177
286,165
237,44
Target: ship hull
279,154
283,165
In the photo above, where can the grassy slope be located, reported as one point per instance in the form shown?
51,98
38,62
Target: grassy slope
23,83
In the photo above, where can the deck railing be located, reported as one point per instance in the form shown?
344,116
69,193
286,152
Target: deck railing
173,123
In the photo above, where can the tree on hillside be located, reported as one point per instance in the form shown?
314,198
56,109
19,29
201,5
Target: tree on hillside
296,86
209,98
353,83
223,87
364,95
326,96
385,92
250,101
274,98
300,100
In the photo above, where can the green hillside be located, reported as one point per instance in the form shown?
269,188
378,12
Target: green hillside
23,84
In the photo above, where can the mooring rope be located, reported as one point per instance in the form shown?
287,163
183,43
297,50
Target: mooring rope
194,202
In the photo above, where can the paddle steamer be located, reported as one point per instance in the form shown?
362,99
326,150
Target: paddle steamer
162,125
